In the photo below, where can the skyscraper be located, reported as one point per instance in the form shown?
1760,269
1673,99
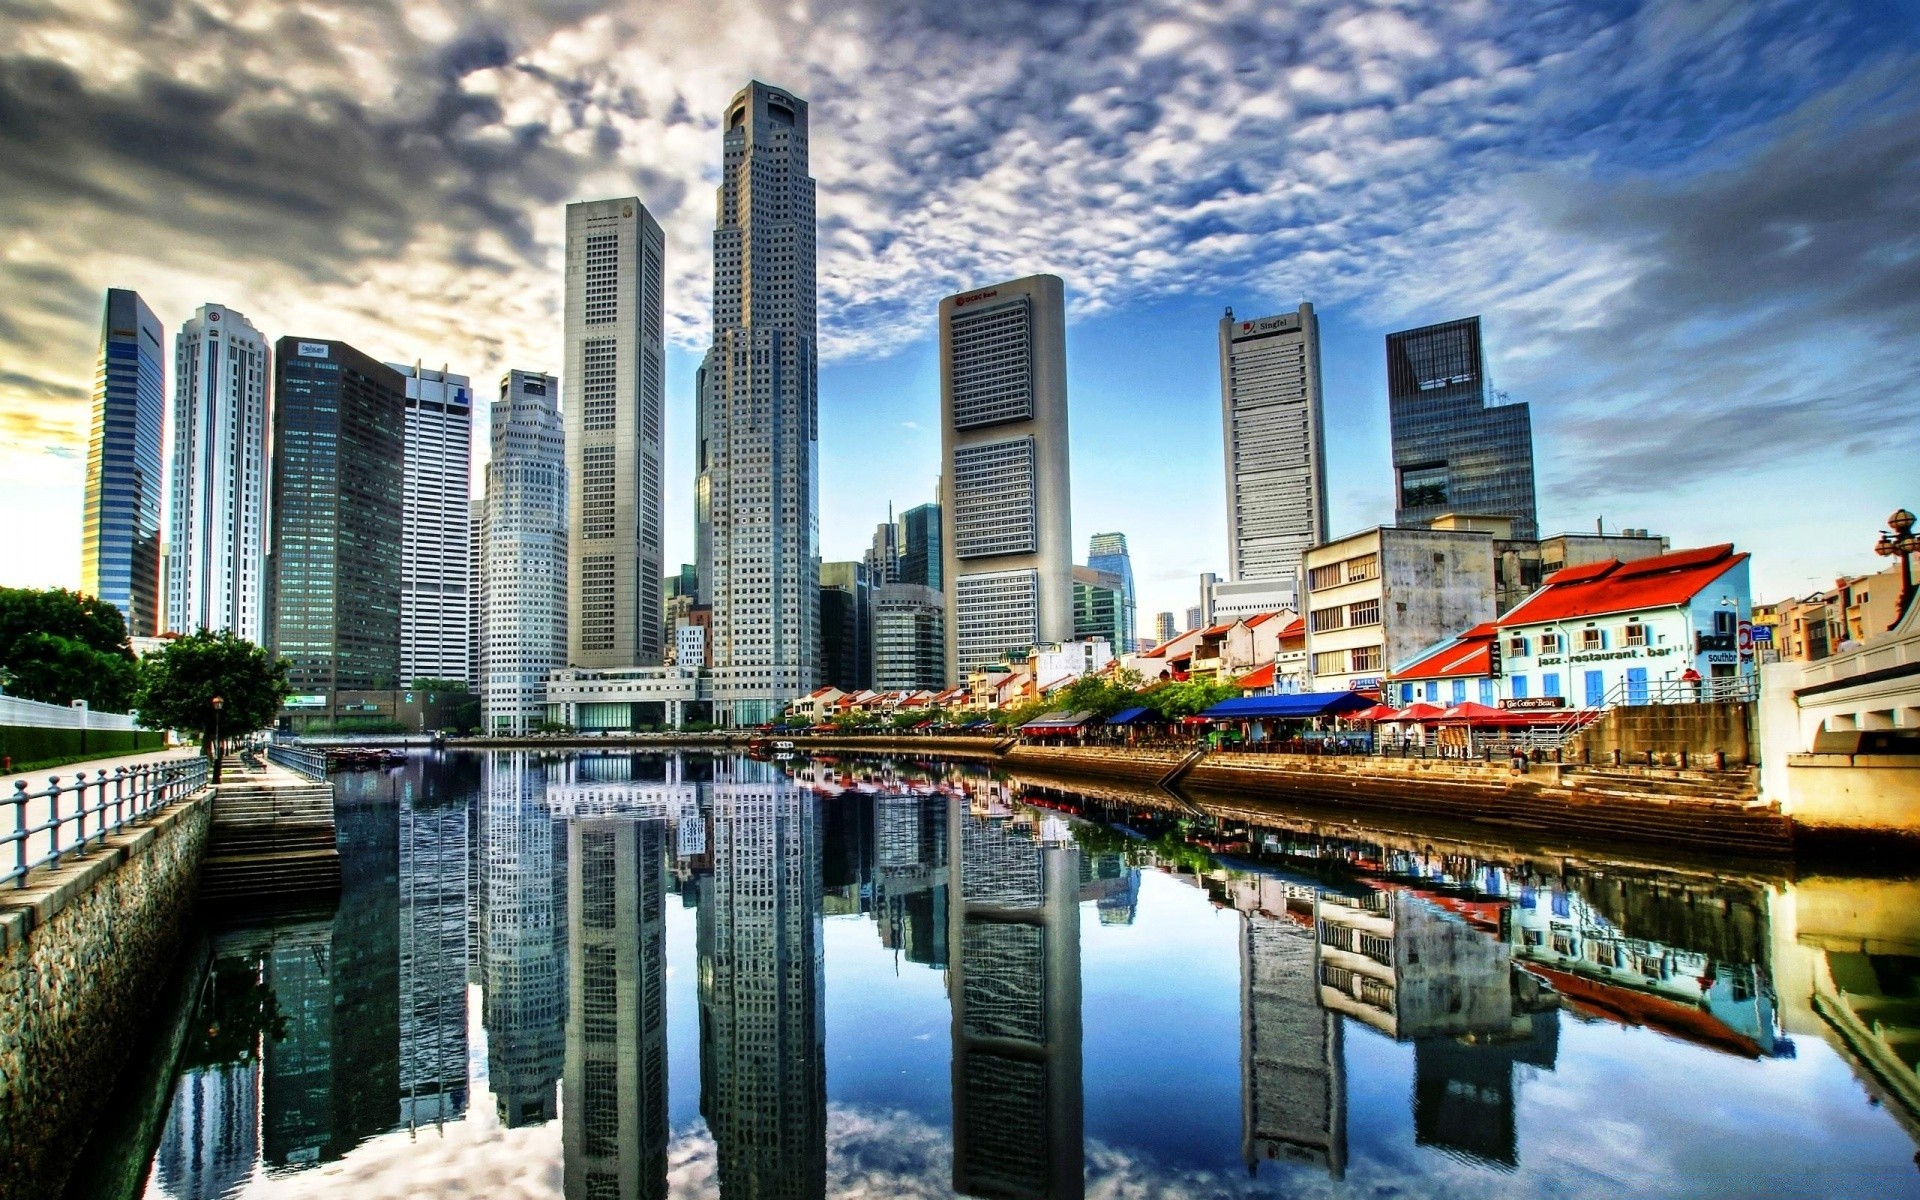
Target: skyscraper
919,540
1165,627
1006,520
339,437
883,555
909,638
846,619
436,535
524,575
1099,608
1275,439
615,359
217,518
1108,552
1455,450
120,525
759,415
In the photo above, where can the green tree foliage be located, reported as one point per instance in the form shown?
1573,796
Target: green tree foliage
178,684
1172,701
428,684
58,646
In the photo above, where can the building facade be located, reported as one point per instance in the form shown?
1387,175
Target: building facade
1455,448
616,360
218,490
919,540
436,534
846,619
339,439
1165,627
1275,439
758,421
909,638
523,582
1376,598
120,520
1108,552
1100,607
1007,527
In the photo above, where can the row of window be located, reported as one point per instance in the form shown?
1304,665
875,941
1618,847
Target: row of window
1352,570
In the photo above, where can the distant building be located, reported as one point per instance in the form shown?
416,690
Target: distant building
909,637
846,620
1164,627
1818,625
1520,563
1276,457
1232,601
1196,618
690,645
126,457
523,588
883,555
1100,606
1378,597
1456,446
435,528
1108,552
919,542
1005,507
339,441
217,514
1209,583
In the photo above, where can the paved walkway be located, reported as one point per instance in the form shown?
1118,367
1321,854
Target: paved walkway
37,779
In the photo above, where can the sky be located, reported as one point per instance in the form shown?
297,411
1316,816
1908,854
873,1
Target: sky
1691,229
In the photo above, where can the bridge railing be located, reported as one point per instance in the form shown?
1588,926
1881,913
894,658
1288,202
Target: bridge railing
75,811
311,763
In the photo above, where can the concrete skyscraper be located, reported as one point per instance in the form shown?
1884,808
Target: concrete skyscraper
1108,552
614,365
758,422
1276,452
120,525
523,576
1454,449
1006,520
436,533
217,518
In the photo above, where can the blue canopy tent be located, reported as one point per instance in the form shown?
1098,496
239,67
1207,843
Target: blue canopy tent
1292,706
1132,716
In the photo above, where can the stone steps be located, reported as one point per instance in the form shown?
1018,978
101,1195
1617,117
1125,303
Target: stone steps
272,841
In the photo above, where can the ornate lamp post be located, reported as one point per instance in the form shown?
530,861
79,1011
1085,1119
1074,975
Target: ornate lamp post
1903,544
218,704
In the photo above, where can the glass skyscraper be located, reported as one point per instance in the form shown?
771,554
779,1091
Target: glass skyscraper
920,546
1453,452
1108,552
120,526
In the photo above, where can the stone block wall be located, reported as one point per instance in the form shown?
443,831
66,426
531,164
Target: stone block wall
82,952
1668,730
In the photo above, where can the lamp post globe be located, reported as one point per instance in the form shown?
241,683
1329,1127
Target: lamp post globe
1898,541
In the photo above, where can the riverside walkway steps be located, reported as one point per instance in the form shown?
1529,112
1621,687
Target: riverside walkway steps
272,840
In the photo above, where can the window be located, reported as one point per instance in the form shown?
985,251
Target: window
1550,643
1366,658
1636,634
1423,486
1324,577
1331,618
1332,662
1517,647
1724,622
1459,691
598,364
1593,639
1596,687
1366,612
1550,684
1519,687
1366,567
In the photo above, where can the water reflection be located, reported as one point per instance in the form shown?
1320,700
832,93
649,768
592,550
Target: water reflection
556,885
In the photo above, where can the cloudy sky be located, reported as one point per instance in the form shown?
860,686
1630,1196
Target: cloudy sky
1692,228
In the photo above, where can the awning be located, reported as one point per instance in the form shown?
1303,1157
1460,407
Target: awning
1059,722
1473,714
1296,704
1421,711
1131,716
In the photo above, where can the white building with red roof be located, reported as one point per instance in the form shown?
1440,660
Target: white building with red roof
1665,628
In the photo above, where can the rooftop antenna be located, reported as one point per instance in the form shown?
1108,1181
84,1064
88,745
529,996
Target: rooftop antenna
1600,526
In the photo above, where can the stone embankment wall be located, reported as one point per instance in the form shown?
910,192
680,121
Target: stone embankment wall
1105,762
82,950
1674,734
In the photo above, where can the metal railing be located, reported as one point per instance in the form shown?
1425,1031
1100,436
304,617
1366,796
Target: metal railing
311,763
78,810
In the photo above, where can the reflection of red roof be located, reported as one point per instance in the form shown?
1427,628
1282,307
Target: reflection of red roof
1626,1006
1613,586
1260,678
1465,657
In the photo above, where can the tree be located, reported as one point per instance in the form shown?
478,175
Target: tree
179,683
1172,701
58,646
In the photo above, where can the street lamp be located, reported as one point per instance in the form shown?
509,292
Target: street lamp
1902,543
218,704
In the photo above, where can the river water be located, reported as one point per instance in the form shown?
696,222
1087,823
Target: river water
614,976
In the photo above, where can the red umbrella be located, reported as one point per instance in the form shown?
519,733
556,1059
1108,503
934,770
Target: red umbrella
1472,713
1420,711
1379,712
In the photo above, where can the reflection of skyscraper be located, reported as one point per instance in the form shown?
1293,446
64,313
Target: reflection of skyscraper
910,884
1014,986
616,1080
762,1027
1463,1091
297,1070
365,978
521,957
212,1137
433,957
1293,1089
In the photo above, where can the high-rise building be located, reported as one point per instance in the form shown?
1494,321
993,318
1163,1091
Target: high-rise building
339,437
909,638
616,362
217,515
1196,618
476,573
120,525
919,540
523,591
1099,608
1457,447
759,415
1165,627
436,534
1276,450
846,617
1006,517
883,555
1108,552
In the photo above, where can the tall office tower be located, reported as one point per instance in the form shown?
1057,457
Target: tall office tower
1276,446
1457,447
1196,618
1013,912
615,1089
762,979
521,959
919,540
846,620
1108,552
1165,627
909,638
435,536
524,585
1006,520
476,596
883,556
434,857
759,415
615,359
1100,608
339,438
217,515
120,525
1293,1069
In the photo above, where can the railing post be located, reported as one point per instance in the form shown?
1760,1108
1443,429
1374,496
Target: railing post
119,797
20,831
53,819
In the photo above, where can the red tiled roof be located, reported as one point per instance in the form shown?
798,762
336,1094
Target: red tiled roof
1295,628
1465,657
1260,618
1612,586
1211,630
1261,677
